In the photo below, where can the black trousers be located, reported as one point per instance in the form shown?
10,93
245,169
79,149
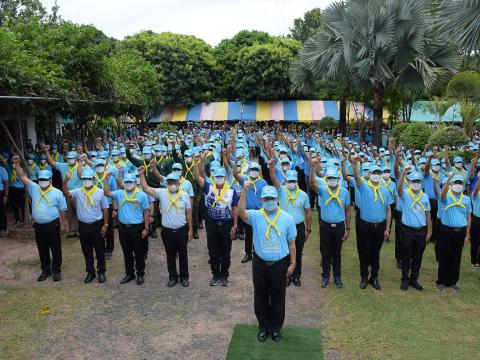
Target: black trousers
450,246
175,242
109,237
397,215
195,213
3,213
299,243
91,238
475,240
413,243
369,244
133,248
331,238
219,245
240,227
433,214
16,199
248,239
49,240
269,292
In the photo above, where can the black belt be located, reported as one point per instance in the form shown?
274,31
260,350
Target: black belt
374,225
53,222
455,229
332,225
270,263
131,225
415,229
93,223
220,223
174,230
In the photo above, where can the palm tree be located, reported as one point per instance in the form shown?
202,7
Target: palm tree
377,43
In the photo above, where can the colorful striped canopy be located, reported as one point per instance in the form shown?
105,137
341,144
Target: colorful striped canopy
289,110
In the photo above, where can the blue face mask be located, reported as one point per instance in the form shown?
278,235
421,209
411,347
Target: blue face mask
270,205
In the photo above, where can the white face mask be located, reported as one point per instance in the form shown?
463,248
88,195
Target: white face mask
43,183
30,161
173,188
219,180
54,151
436,168
375,178
123,156
410,162
332,182
458,188
115,158
129,186
71,161
147,157
87,183
285,167
100,169
158,153
415,186
386,176
254,174
188,160
178,172
43,162
422,167
458,165
132,151
291,186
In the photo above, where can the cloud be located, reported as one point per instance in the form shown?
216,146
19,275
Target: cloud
210,20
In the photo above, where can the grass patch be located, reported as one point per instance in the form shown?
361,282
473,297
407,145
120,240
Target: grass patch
297,343
395,324
25,263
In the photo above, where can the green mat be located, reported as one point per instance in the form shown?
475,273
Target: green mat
296,343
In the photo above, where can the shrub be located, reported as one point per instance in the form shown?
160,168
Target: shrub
327,123
398,129
416,135
450,135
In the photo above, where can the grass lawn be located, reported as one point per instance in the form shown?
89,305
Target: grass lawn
395,324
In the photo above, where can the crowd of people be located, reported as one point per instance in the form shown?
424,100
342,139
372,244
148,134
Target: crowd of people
260,185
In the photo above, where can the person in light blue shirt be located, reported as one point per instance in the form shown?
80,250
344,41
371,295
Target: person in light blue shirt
16,190
454,231
416,227
32,168
475,227
295,202
458,169
50,221
274,234
4,188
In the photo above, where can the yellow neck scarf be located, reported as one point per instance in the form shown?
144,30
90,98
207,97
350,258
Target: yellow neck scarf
43,195
271,224
455,201
376,191
88,195
72,169
416,199
387,185
13,176
174,201
188,169
146,167
219,197
100,180
253,182
334,196
130,198
290,197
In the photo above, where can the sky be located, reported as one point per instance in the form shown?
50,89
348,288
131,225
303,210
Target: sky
210,20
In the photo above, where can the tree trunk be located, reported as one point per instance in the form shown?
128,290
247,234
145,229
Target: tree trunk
342,126
378,93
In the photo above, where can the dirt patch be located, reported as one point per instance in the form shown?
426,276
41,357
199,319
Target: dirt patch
18,260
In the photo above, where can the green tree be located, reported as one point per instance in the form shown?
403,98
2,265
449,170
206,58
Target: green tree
416,135
439,107
309,25
465,86
327,123
448,135
21,10
379,43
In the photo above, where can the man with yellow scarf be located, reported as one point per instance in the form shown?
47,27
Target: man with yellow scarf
92,211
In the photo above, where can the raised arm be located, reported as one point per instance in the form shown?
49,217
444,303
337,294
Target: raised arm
20,172
273,175
401,181
198,163
445,188
356,176
50,161
242,203
312,180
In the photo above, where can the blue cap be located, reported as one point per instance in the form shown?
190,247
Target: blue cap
129,177
323,159
99,162
31,156
457,159
414,175
147,150
239,153
375,168
115,152
93,154
254,165
54,146
71,155
385,168
44,174
157,148
123,150
331,173
269,191
103,154
285,160
435,162
177,147
177,166
417,152
87,174
219,171
457,178
187,153
366,166
422,161
215,164
205,147
173,176
291,175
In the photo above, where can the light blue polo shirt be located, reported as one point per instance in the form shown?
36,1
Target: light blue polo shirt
172,218
276,246
74,182
17,183
3,177
475,204
42,211
112,184
301,203
89,214
414,215
332,212
455,216
370,210
428,185
254,200
130,213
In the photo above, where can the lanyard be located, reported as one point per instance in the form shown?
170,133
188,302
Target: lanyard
130,198
334,196
271,224
416,199
43,195
376,191
174,201
290,197
88,196
455,201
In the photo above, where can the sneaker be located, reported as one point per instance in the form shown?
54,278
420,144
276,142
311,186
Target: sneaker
325,282
225,282
455,288
441,287
288,281
404,285
241,236
296,281
214,281
337,280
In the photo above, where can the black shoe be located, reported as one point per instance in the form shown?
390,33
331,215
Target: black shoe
195,235
374,283
108,255
145,256
276,336
127,279
43,276
289,281
214,281
185,283
154,234
241,236
404,285
363,283
337,280
140,279
224,282
200,226
172,282
296,281
325,282
90,276
246,258
416,285
57,277
262,336
399,264
101,277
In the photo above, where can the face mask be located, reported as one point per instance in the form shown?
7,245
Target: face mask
253,174
44,184
458,188
417,157
291,186
43,162
332,182
123,156
239,169
422,167
30,162
87,183
173,188
54,151
100,169
270,205
158,153
178,172
129,186
410,162
147,157
386,176
115,158
164,154
285,167
188,160
436,168
132,151
71,161
219,180
458,165
82,163
375,178
415,186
